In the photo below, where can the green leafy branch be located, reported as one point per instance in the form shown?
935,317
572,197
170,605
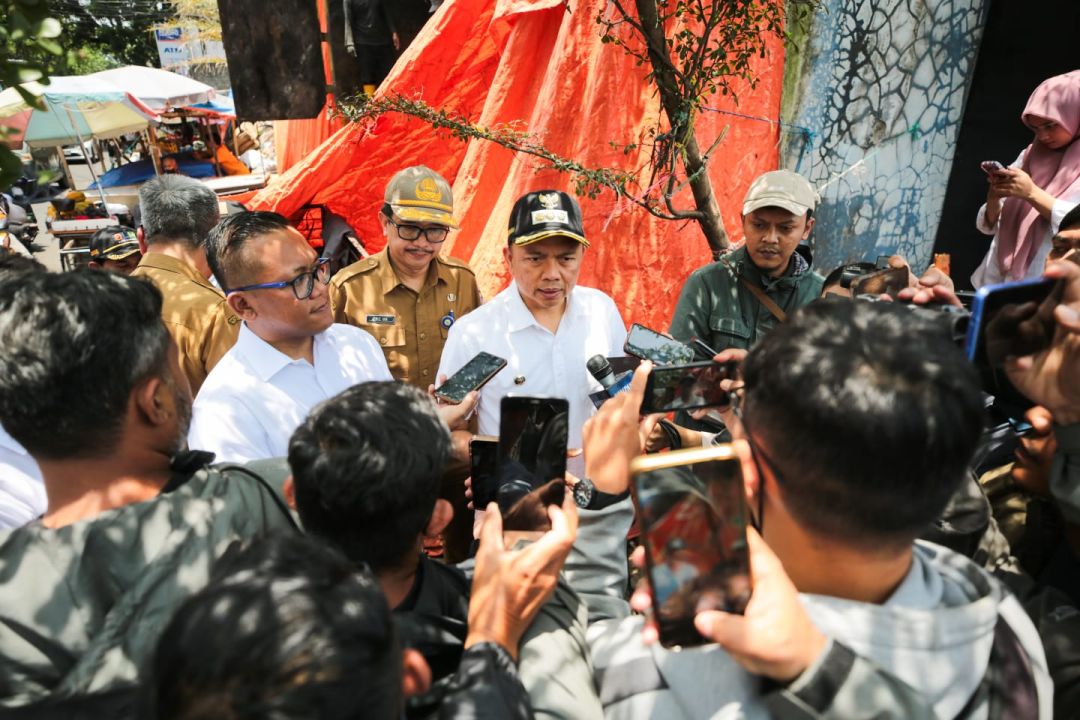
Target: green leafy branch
588,182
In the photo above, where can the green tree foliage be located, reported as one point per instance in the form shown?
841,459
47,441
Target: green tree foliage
695,50
28,39
120,30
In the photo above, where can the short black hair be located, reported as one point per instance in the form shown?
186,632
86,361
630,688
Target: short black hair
12,263
1071,219
870,413
367,465
288,629
232,267
75,345
175,208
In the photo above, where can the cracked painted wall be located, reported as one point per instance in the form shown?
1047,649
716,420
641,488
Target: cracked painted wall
878,91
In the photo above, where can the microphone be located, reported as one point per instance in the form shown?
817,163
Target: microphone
599,367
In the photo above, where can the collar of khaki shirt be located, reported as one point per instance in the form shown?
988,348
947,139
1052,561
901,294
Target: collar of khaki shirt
161,261
390,279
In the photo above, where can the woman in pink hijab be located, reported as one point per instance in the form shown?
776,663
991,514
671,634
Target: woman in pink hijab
1027,200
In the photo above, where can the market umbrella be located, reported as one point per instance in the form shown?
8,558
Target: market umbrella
158,89
75,108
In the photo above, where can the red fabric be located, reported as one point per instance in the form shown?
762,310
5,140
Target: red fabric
532,63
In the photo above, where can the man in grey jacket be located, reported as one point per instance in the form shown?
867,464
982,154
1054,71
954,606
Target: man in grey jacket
848,610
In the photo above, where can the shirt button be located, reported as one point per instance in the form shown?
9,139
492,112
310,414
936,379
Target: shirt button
382,340
424,372
423,336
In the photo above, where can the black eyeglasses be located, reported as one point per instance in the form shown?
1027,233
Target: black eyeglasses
433,235
301,285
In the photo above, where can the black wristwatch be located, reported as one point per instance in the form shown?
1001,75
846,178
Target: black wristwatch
584,492
587,497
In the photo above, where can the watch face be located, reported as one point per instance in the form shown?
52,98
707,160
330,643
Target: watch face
583,493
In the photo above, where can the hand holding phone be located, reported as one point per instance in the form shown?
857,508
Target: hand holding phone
1051,377
689,386
472,376
1012,320
660,348
889,281
990,167
531,458
692,513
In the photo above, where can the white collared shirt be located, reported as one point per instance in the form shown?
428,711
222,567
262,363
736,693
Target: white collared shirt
22,491
546,363
256,396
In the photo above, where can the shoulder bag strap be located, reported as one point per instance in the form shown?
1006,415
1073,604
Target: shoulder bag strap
770,305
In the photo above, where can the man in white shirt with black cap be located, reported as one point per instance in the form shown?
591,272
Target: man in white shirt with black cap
544,324
289,356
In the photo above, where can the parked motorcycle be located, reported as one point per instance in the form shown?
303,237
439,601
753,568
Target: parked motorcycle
15,221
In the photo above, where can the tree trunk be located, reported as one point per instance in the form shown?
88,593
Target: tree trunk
712,224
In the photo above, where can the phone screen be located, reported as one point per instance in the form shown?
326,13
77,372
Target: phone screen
889,281
483,455
650,345
531,469
693,524
472,376
1012,319
684,387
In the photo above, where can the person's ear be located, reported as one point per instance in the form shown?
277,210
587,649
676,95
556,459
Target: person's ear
809,227
140,235
154,400
94,265
238,303
506,254
288,489
415,673
440,518
751,479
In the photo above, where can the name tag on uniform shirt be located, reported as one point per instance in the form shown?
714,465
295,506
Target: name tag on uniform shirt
382,319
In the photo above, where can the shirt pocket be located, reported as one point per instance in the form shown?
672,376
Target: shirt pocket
729,333
388,336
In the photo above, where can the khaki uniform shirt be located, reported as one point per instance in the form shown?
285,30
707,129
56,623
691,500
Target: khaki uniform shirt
411,327
195,313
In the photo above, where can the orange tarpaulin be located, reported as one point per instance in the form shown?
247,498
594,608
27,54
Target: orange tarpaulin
533,63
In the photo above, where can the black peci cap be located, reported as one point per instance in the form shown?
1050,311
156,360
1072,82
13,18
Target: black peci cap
544,214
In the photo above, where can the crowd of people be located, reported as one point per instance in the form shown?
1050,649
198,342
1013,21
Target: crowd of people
231,491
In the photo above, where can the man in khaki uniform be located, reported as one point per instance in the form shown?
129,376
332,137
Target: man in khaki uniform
177,215
408,296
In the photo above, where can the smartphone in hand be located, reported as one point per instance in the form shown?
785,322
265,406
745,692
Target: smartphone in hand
889,281
689,386
692,512
472,376
990,167
650,345
483,452
530,469
1012,320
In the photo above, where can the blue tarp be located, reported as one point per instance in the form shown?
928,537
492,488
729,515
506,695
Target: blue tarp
136,173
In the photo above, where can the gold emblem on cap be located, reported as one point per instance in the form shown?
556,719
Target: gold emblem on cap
549,200
428,189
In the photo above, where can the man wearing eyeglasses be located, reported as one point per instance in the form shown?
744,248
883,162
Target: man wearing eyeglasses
408,296
289,356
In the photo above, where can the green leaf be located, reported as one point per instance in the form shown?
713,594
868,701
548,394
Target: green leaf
10,167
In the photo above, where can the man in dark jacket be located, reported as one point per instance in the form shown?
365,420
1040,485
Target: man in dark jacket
371,38
733,302
91,386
